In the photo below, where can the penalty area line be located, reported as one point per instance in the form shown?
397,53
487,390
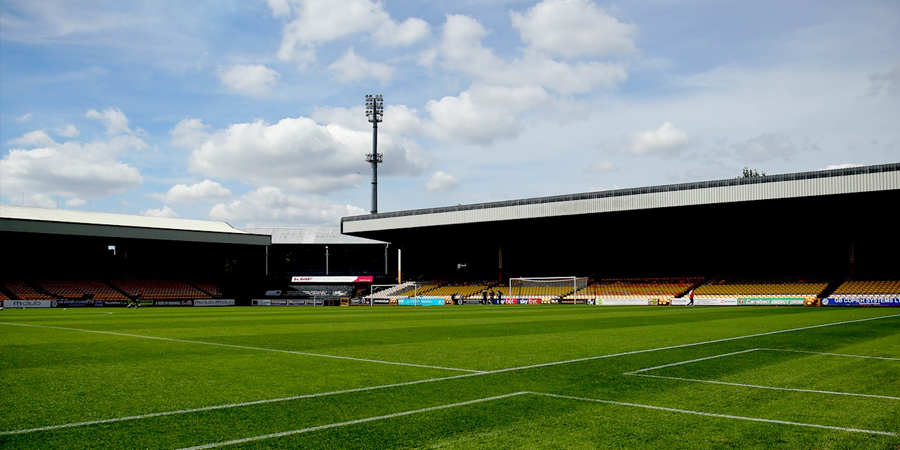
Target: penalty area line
720,416
352,422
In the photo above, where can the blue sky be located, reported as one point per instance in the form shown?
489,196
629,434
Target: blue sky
251,112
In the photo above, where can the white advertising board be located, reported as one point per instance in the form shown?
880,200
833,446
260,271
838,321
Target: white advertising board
214,302
28,303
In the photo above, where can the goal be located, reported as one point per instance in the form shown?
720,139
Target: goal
559,288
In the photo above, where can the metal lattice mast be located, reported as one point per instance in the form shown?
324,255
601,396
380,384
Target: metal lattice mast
375,112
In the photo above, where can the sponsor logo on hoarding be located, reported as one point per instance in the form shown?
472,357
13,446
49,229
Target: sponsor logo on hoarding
28,303
261,302
214,302
861,301
770,301
331,279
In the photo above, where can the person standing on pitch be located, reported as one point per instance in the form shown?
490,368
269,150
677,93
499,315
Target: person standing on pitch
691,298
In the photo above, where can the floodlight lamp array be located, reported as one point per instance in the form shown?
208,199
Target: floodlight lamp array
375,157
374,108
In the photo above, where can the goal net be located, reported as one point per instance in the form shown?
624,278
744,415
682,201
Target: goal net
561,289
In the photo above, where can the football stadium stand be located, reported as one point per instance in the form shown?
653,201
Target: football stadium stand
725,287
23,291
639,287
158,288
868,287
80,288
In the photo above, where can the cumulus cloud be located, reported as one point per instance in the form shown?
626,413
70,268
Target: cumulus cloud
269,206
297,154
442,182
769,146
113,118
351,67
202,191
314,22
667,140
70,169
165,211
573,28
461,49
68,131
255,80
37,138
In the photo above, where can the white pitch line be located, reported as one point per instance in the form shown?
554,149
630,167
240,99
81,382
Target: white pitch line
235,405
721,416
690,361
244,347
714,341
831,354
351,422
814,391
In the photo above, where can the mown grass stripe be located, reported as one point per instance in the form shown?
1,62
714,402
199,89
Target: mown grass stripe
244,347
351,422
720,416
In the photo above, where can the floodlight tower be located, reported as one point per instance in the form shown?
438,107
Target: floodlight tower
374,111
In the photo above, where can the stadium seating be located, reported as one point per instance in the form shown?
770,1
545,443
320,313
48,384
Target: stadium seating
158,288
78,288
868,287
639,288
23,291
733,288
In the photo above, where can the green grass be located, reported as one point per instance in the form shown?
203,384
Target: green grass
511,377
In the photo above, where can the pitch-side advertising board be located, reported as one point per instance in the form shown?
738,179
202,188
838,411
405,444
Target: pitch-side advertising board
861,301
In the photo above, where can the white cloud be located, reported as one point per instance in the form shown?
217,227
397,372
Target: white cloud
269,206
113,118
255,80
75,202
296,154
203,191
165,211
573,28
37,138
314,22
24,118
351,67
769,146
442,182
461,49
667,140
71,169
189,133
69,131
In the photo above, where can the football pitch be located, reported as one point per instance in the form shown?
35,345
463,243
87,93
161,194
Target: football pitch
507,377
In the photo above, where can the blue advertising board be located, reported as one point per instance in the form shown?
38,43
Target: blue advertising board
421,301
861,301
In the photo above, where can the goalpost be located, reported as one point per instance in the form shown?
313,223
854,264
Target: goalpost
549,288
